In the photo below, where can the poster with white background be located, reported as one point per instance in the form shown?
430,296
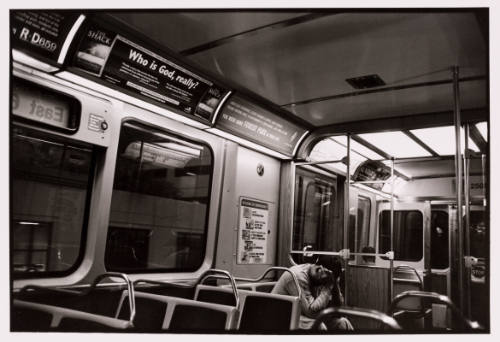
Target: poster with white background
252,232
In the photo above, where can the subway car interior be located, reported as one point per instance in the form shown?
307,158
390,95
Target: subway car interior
167,167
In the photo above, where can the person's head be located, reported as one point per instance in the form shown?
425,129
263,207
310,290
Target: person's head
367,258
319,275
332,263
327,269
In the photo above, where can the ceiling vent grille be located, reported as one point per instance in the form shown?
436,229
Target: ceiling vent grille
365,82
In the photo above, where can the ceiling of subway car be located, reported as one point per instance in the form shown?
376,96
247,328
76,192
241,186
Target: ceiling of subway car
301,61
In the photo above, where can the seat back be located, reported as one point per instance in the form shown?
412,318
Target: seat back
156,312
25,318
61,319
378,317
407,278
445,315
267,312
266,286
217,295
259,311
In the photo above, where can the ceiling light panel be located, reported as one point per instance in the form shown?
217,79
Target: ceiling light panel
442,139
358,148
483,129
396,144
329,149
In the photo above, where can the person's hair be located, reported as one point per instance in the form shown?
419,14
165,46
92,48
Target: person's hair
333,263
368,258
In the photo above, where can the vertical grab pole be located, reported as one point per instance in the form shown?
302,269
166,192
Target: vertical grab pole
483,177
391,260
346,212
468,268
458,178
292,203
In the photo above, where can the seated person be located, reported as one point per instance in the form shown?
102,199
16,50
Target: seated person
319,287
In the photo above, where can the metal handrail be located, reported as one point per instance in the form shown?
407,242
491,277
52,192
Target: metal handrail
29,288
130,289
157,282
275,268
86,291
437,298
358,312
400,267
207,274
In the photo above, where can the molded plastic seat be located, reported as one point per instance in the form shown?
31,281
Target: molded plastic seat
156,312
259,311
63,319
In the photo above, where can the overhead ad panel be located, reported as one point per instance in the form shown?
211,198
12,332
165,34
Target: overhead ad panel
252,122
41,34
153,76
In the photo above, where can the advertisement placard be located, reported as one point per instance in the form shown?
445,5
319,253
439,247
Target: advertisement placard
249,121
94,49
41,34
131,66
252,232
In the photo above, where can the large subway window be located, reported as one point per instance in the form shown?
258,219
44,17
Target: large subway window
408,232
51,178
159,208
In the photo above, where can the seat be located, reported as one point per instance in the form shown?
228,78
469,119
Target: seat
28,315
439,311
267,312
265,286
335,312
54,318
407,278
259,311
157,312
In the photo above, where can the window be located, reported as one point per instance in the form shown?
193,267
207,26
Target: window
359,226
314,214
363,224
439,239
50,182
407,235
159,207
